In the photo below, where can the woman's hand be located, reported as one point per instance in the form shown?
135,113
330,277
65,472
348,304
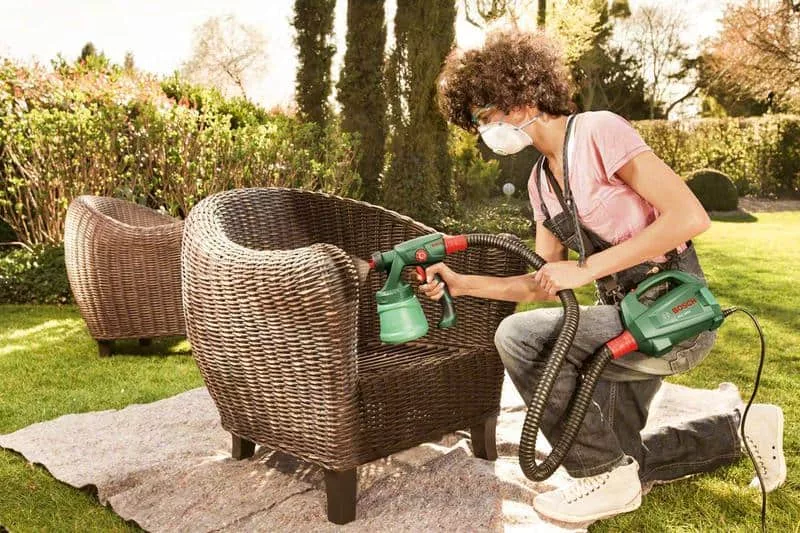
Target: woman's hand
451,279
560,275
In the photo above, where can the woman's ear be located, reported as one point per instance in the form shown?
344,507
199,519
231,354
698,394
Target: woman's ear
520,114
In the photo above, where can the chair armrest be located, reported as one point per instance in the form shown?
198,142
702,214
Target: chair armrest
274,334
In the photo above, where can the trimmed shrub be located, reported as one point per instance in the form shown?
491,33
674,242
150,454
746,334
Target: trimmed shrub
34,276
760,154
714,189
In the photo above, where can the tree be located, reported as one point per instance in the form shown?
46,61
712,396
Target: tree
227,54
755,55
360,89
128,64
607,77
419,179
313,21
577,23
571,21
93,59
87,51
518,13
655,33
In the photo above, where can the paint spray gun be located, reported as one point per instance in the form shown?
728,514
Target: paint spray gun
400,312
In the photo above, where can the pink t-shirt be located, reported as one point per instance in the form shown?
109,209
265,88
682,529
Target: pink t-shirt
600,144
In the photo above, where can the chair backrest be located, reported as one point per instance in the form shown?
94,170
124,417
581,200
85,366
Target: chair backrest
126,212
284,219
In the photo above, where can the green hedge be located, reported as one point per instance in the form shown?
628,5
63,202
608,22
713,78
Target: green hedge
494,216
760,154
113,134
34,276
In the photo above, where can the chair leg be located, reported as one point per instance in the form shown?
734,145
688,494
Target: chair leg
145,341
104,347
483,439
341,489
242,448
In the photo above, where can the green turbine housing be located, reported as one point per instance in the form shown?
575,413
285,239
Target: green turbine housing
686,310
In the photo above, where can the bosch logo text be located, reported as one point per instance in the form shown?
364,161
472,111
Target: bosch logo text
688,303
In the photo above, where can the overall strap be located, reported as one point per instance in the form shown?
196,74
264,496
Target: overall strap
568,192
542,164
538,180
565,199
551,179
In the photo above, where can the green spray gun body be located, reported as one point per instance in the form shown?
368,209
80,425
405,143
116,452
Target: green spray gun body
686,310
400,313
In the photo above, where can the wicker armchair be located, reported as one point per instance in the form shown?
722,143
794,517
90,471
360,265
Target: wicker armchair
123,264
286,335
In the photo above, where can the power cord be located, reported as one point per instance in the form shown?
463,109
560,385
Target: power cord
726,313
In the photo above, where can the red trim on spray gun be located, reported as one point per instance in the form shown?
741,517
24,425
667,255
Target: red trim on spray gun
457,243
625,343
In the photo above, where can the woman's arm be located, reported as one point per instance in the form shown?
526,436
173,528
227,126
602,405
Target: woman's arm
521,288
681,217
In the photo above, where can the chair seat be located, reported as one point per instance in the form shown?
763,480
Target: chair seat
416,392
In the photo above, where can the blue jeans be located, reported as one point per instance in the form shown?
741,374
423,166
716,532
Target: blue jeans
613,425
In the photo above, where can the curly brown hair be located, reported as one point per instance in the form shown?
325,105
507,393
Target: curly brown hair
513,69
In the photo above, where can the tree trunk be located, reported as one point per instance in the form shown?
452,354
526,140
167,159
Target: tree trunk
541,14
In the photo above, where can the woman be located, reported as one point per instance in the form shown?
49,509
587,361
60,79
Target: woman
600,190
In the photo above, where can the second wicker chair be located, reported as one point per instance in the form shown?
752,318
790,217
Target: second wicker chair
123,264
286,335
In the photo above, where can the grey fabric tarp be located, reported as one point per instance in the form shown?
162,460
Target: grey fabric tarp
166,465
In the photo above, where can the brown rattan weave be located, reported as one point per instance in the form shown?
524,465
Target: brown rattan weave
286,337
123,264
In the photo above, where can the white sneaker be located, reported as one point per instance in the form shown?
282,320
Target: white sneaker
595,497
764,434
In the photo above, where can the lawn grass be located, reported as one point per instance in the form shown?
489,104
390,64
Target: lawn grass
49,367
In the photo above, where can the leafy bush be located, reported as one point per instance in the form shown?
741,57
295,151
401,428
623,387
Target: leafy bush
760,154
714,189
34,275
110,133
492,217
209,101
474,178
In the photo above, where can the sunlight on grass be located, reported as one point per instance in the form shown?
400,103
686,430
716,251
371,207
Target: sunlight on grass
750,265
49,367
34,338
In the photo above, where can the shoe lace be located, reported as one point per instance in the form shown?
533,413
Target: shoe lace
757,454
584,486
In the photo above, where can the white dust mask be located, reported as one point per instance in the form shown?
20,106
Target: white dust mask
506,139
